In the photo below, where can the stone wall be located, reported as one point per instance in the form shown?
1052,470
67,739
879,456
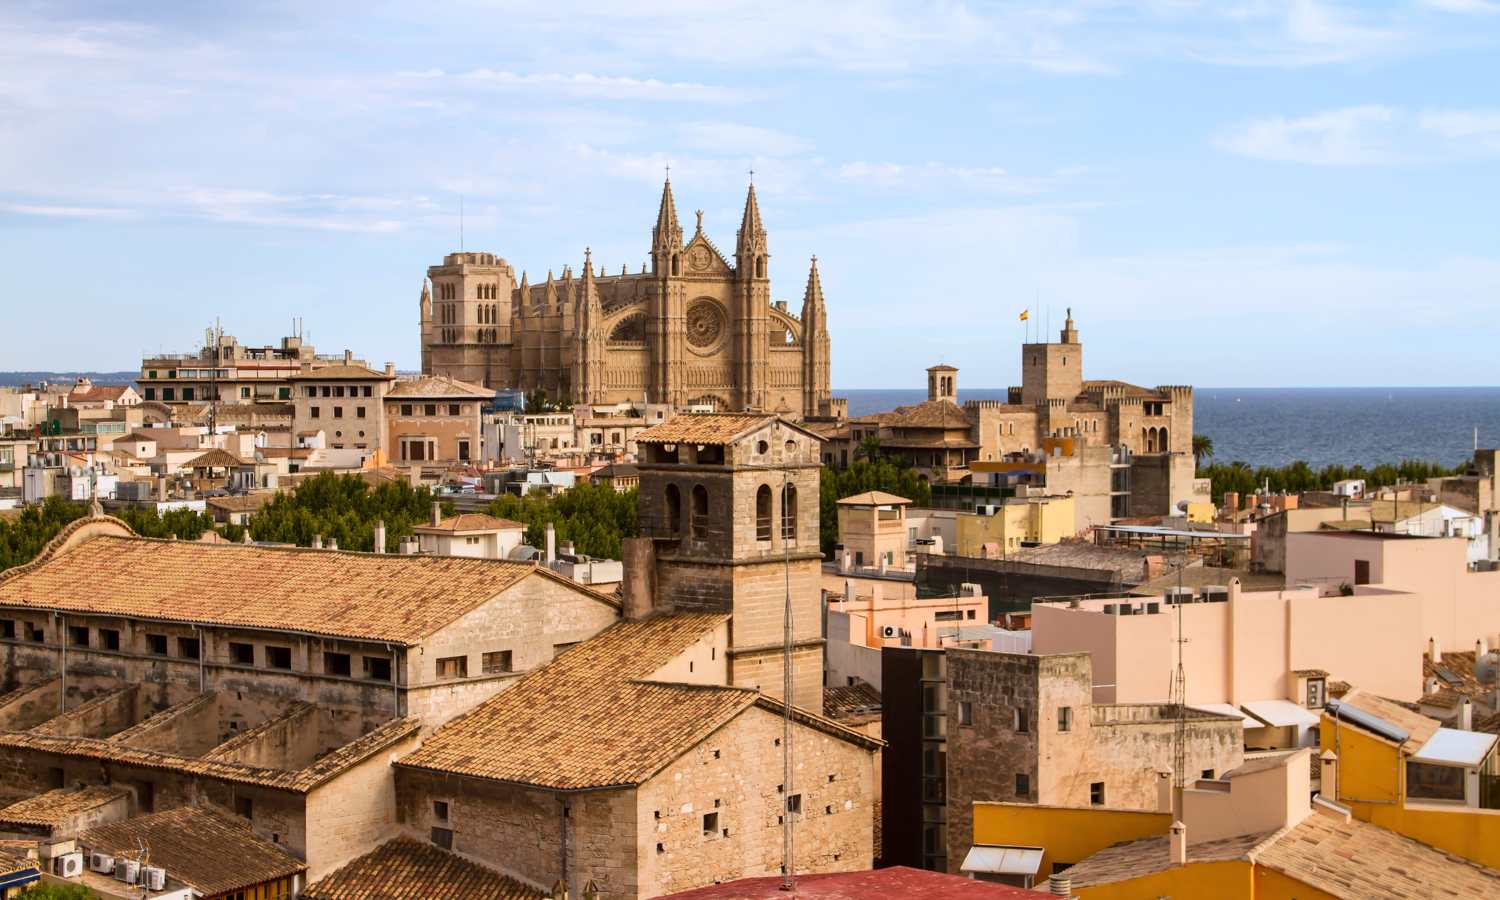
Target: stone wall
353,812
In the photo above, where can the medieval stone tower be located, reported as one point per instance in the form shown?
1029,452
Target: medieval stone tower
730,505
693,326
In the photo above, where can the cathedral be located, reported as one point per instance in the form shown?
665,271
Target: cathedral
695,327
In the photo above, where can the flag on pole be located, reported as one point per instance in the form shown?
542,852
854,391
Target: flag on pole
1025,314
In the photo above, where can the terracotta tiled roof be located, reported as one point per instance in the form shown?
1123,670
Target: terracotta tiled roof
370,596
341,372
209,850
890,883
1489,724
1147,856
14,860
215,459
98,393
1419,728
702,428
1131,390
407,868
470,522
300,781
1358,860
929,414
58,806
241,502
873,498
855,701
1455,675
586,720
437,386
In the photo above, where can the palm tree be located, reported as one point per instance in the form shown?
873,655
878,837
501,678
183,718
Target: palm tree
1203,447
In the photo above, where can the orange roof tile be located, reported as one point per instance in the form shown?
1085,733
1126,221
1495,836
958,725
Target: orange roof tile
470,522
702,428
407,868
437,386
211,851
369,596
57,807
1419,728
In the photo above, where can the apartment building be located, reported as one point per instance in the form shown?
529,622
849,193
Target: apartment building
226,371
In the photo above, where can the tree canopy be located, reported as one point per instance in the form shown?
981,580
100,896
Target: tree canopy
342,508
24,536
1299,476
864,475
595,518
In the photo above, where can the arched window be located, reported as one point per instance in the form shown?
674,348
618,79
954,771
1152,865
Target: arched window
1145,440
763,513
1161,440
675,266
760,267
700,513
789,514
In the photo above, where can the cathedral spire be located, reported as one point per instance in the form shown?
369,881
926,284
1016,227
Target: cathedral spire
750,227
668,230
813,313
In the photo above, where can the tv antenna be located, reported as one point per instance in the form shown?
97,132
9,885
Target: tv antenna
1178,699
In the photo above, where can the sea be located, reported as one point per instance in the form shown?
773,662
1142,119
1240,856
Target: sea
1320,426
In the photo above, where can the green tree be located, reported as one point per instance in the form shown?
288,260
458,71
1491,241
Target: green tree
23,537
1298,476
42,890
1203,448
863,475
343,508
869,448
595,518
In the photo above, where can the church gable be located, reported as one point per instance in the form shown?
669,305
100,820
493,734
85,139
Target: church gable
701,259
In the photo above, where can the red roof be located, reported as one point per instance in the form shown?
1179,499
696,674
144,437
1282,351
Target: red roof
871,884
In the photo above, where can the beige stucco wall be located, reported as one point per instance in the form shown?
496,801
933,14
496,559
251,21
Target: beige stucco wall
353,812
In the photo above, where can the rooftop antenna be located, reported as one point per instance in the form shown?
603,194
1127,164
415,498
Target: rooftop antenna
1179,700
789,860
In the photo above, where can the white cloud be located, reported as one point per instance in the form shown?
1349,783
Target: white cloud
586,84
1367,135
65,212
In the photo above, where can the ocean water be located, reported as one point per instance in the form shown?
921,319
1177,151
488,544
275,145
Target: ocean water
1322,426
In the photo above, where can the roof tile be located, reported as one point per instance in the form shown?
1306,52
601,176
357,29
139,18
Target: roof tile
407,868
209,850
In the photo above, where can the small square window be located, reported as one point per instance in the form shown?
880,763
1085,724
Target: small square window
794,806
338,412
359,412
497,661
440,810
243,807
364,391
188,648
242,654
453,409
78,635
1065,718
109,638
406,409
336,664
156,644
711,824
376,668
7,628
442,837
453,667
1208,774
1096,793
278,657
1022,719
429,409
965,712
313,412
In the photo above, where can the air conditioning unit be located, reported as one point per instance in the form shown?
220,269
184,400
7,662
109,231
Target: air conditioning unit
128,871
888,631
68,865
102,862
156,878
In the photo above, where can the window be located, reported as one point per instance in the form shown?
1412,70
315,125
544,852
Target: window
948,615
38,634
453,667
78,635
1022,720
406,409
243,807
313,412
1096,793
8,628
336,664
168,394
674,510
429,409
338,390
377,668
440,810
1023,785
156,644
763,513
789,513
794,806
1361,571
338,412
244,393
359,412
278,657
1065,718
188,648
364,391
710,824
242,654
187,393
327,391
150,393
965,712
109,638
497,661
442,837
700,513
453,409
310,391
463,450
1208,774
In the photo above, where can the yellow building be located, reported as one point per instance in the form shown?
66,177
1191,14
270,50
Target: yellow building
1253,834
1401,770
1020,521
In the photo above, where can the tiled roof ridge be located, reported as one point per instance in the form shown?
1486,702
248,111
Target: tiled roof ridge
72,712
356,751
72,800
52,547
821,723
165,715
1253,853
293,711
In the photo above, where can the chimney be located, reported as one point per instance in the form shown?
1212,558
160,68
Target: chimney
333,543
1060,885
1231,501
437,514
1164,792
551,544
1329,771
379,536
317,542
348,357
1434,653
1178,844
245,539
848,590
566,548
407,547
638,591
1465,714
844,562
390,370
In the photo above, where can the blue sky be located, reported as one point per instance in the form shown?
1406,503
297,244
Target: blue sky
1227,193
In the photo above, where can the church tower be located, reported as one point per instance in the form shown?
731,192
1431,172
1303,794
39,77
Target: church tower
424,307
752,302
815,347
666,326
588,338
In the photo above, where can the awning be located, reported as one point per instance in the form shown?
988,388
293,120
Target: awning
1225,709
993,860
1280,713
1452,747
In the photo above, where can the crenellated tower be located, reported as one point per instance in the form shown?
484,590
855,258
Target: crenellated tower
752,304
815,346
666,325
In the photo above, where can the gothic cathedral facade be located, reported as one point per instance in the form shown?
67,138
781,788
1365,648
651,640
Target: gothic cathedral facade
694,327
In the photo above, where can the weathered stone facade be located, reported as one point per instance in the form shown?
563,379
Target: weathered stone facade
698,327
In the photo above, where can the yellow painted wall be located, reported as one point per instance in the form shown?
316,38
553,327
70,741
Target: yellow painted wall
1272,885
1066,834
1230,880
1045,521
1201,511
1372,786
